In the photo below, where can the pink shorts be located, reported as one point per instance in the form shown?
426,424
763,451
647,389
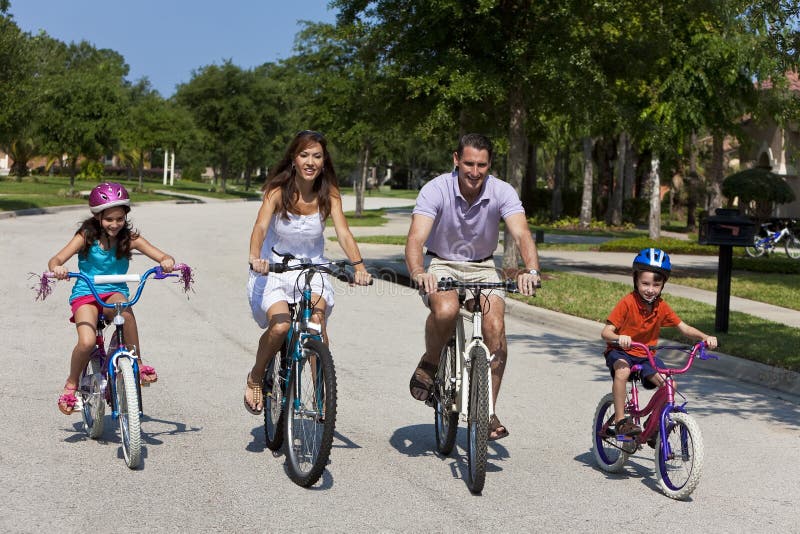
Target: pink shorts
88,299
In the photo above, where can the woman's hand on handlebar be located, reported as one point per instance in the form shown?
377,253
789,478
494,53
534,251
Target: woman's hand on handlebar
259,265
362,278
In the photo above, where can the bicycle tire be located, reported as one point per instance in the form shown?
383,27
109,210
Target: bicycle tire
477,419
445,417
309,426
792,246
756,250
680,474
127,394
273,390
608,453
93,398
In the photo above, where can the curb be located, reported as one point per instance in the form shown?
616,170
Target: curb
775,378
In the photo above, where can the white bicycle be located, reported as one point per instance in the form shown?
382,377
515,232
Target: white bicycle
463,384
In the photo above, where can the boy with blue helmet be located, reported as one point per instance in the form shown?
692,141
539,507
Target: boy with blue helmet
639,316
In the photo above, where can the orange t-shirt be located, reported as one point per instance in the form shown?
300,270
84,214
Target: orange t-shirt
631,318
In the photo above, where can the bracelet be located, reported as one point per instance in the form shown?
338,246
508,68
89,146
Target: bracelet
359,262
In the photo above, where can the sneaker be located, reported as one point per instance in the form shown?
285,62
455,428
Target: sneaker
627,427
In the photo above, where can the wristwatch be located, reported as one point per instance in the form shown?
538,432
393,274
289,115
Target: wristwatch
534,272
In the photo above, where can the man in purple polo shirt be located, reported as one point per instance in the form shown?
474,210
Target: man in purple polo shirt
457,217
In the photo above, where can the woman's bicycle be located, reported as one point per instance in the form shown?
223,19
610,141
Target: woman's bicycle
766,241
112,374
669,429
299,385
463,384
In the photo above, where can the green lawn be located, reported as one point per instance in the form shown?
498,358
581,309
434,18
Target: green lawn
48,191
749,337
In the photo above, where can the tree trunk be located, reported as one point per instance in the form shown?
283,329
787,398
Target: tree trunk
557,203
588,180
362,185
614,214
692,185
629,179
528,192
516,167
655,199
717,170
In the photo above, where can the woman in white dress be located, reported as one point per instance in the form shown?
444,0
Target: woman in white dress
300,193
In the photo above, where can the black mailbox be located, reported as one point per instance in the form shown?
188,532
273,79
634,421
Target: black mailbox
727,227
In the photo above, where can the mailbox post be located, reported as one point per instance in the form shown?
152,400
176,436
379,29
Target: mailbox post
727,229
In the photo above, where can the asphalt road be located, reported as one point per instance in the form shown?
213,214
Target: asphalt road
206,469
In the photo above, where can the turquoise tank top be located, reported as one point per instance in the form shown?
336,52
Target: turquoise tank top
99,261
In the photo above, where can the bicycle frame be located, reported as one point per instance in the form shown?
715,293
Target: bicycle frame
463,363
110,363
663,400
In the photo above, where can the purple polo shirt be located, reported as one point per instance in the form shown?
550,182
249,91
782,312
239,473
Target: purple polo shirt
462,232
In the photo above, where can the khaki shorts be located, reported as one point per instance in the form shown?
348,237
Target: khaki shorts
463,271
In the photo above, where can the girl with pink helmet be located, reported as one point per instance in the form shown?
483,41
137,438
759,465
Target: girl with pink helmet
103,243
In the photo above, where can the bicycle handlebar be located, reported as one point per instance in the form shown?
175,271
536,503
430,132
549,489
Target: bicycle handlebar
697,350
448,284
304,264
157,272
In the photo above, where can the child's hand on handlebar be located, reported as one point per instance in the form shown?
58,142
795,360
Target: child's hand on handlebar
711,342
167,264
60,272
624,342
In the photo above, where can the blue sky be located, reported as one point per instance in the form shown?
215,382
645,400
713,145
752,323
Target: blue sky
165,40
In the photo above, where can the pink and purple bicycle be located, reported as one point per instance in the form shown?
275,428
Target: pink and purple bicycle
669,429
112,374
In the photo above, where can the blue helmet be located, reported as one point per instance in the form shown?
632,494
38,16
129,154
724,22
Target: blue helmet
653,260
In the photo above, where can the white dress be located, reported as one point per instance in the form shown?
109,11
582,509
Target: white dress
301,235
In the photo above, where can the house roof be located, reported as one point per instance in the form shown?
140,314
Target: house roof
792,78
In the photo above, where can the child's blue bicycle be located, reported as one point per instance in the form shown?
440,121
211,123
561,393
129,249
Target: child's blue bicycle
299,385
766,241
112,375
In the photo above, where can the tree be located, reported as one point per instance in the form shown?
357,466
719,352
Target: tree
222,101
82,104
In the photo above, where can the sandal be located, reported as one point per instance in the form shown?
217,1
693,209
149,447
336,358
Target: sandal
626,427
68,401
147,375
254,388
497,430
422,389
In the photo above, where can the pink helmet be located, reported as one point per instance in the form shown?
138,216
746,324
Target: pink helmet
107,195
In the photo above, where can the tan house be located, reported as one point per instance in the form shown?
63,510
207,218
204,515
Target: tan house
778,148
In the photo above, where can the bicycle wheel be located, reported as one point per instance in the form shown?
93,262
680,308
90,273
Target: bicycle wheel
757,249
273,401
444,391
310,414
609,454
679,473
477,419
792,247
94,402
128,406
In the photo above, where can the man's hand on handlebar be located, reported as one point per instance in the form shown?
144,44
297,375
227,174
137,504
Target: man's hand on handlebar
426,283
527,283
